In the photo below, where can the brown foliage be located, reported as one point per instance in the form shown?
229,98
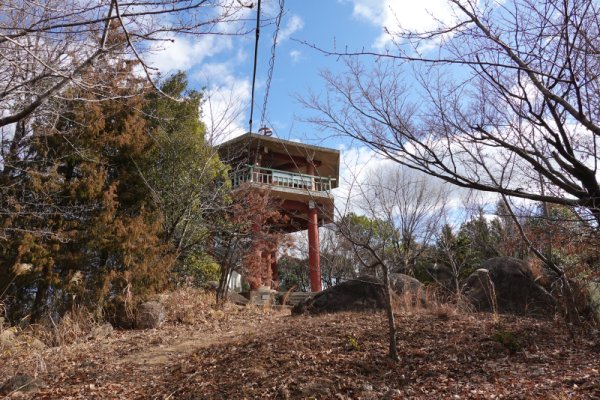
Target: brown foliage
79,213
248,234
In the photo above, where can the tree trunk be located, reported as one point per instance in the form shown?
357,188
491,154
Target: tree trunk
39,303
223,286
393,349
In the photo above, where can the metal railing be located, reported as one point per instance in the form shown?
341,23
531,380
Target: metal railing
278,178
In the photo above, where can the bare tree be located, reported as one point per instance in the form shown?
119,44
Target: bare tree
412,203
507,101
56,53
45,46
402,212
245,234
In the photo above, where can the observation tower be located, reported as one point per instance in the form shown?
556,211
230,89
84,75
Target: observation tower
300,177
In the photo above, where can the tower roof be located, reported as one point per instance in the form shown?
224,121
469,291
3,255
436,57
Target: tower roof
327,160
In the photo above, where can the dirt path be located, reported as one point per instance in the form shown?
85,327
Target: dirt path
184,346
131,364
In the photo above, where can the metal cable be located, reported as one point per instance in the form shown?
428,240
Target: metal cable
255,63
271,62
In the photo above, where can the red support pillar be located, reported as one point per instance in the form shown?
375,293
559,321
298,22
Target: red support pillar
314,258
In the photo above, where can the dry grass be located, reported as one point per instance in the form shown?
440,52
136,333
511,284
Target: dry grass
187,305
431,300
286,296
191,306
73,327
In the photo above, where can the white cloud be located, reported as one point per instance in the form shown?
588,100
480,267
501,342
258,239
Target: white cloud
355,165
294,24
227,97
407,14
295,55
358,164
183,54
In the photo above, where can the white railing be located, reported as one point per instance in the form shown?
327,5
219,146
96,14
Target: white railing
278,178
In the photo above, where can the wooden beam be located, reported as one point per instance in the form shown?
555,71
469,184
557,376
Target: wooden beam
297,161
294,205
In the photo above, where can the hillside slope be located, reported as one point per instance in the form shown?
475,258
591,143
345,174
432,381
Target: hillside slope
260,354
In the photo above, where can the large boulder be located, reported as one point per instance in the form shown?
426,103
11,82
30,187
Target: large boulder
440,274
401,283
507,285
150,315
237,298
594,294
365,293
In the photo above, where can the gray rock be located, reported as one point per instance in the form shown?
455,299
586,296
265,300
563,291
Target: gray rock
237,298
210,285
150,315
364,293
593,289
439,273
401,283
101,331
7,338
506,284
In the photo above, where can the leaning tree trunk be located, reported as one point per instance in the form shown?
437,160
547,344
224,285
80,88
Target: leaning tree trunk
223,287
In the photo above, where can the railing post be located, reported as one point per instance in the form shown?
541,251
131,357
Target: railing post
310,170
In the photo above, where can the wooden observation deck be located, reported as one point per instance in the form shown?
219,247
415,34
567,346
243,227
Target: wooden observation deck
300,176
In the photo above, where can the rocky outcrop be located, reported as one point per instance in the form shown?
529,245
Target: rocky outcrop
361,294
401,283
594,294
365,293
507,285
150,315
237,298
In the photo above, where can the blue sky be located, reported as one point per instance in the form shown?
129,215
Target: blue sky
223,64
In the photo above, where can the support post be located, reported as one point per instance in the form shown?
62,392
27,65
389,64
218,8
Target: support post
274,270
314,258
254,263
267,274
314,261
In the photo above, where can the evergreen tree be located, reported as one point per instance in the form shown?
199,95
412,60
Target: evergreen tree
482,240
184,174
77,210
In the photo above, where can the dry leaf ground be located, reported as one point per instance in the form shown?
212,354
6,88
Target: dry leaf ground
259,354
